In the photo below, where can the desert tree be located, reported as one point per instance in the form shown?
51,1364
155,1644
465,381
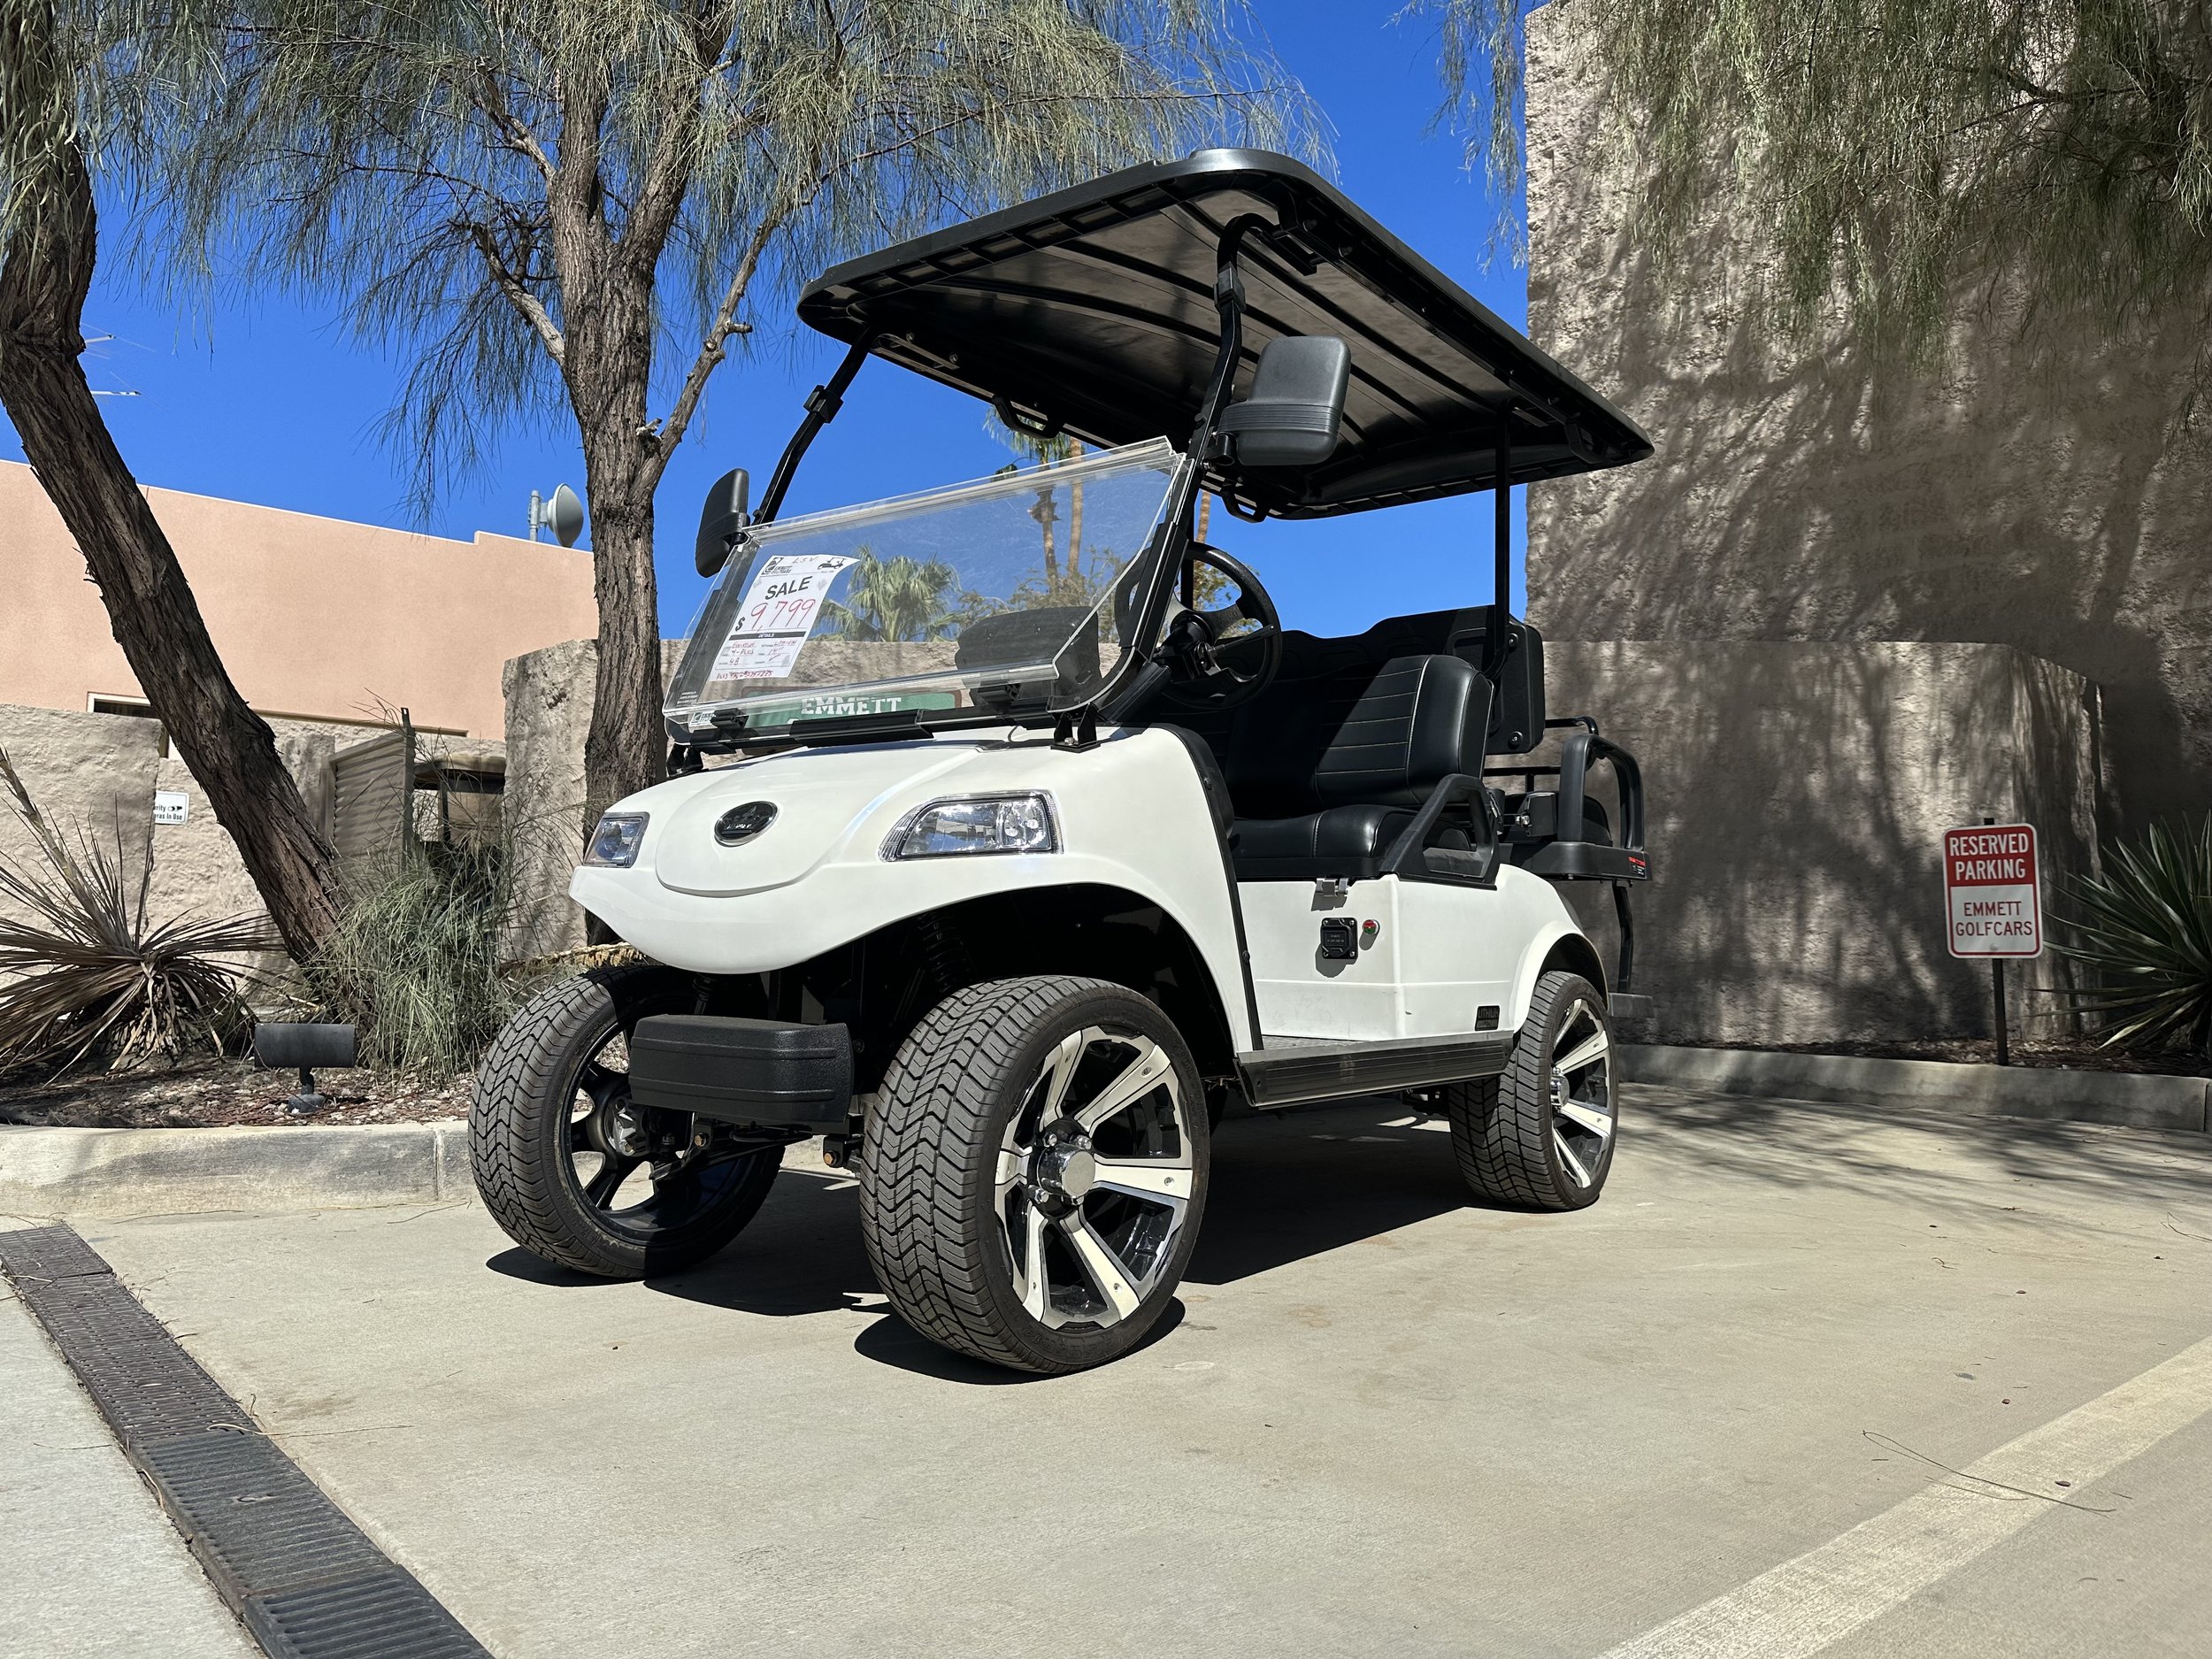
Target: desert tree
83,86
582,205
1895,152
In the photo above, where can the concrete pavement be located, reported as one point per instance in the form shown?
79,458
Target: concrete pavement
94,1570
1388,1422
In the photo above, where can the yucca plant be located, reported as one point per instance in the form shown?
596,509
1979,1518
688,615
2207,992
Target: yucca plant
85,976
2144,928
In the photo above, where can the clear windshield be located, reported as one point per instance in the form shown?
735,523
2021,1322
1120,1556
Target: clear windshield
1008,596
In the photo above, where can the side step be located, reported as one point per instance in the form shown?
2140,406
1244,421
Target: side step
1291,1071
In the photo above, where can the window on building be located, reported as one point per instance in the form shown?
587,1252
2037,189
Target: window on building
135,706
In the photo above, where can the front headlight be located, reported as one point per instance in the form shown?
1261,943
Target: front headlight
977,824
614,844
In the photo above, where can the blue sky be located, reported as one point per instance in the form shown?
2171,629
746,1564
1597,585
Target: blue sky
265,401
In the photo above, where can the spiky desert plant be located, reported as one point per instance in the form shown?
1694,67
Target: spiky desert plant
2144,928
85,975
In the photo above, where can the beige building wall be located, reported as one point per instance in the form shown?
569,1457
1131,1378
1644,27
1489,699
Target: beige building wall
2031,494
315,619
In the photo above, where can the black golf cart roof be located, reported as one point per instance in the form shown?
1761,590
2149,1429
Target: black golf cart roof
1093,307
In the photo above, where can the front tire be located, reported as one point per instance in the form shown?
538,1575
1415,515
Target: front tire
1034,1172
1540,1137
575,1172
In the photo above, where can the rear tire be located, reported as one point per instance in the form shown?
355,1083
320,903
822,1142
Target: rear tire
575,1173
1540,1136
1034,1170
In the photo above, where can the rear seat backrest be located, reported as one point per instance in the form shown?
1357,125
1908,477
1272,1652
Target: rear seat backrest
1420,720
1359,735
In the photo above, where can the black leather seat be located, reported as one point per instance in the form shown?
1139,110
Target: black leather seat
1339,841
1325,769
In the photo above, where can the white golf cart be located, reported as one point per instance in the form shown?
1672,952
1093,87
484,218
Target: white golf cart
1014,838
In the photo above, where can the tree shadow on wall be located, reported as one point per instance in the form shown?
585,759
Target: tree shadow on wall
2035,492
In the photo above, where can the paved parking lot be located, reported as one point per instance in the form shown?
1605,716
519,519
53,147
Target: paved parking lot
1386,1423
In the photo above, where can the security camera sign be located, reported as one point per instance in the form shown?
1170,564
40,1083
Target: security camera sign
1992,891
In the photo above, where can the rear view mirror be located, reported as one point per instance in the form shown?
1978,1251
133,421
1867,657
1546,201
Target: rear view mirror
721,519
1291,415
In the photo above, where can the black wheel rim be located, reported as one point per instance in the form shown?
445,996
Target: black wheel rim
644,1172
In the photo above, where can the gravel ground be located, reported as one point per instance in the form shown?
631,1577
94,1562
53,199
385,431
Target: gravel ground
214,1094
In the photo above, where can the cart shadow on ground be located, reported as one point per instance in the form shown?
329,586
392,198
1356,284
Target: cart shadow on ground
1284,1189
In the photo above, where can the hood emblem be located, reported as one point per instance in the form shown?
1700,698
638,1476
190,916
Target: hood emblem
740,824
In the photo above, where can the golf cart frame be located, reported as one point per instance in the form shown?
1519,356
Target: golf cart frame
1114,313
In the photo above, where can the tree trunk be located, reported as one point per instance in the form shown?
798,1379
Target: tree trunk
45,272
626,748
607,362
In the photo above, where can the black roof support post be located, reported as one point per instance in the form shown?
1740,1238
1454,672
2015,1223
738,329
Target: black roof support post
822,404
1502,553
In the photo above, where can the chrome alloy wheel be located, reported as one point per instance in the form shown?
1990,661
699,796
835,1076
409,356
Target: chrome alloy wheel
1583,1110
1094,1178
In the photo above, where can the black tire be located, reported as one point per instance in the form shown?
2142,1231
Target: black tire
555,1059
1519,1140
969,1187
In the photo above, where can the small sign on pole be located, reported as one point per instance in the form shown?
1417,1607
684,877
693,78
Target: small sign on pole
1993,903
1992,891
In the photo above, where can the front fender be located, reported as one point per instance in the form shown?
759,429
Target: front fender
1130,814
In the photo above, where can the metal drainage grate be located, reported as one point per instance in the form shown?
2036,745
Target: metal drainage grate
31,1254
308,1582
256,1522
387,1616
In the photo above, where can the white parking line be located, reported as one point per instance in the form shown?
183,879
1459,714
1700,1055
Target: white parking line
1806,1603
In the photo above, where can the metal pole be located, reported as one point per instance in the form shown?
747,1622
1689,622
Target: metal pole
1997,978
1997,989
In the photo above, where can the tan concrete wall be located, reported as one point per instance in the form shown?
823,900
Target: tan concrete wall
2029,497
96,774
1796,797
315,618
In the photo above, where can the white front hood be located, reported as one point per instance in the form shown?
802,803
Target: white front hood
822,796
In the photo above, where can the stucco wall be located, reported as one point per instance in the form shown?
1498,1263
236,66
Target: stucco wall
315,618
96,774
1796,796
2035,498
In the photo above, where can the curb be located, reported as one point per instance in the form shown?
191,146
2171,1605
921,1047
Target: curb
168,1172
2127,1099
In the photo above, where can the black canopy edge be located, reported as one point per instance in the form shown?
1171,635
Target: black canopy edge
1560,426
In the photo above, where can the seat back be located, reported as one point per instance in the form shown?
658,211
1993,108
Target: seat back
1353,734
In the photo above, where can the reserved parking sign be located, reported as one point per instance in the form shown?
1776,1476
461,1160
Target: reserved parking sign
1992,891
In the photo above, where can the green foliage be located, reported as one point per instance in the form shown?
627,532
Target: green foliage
90,977
476,182
1895,149
895,599
2143,927
415,963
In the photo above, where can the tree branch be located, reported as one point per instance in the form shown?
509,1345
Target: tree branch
719,333
531,307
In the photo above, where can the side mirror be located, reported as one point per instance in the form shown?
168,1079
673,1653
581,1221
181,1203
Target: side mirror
721,519
1291,416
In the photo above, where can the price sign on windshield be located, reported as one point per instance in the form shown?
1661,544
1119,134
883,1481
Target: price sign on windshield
780,605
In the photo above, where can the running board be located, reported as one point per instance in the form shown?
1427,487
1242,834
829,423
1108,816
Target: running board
1294,1071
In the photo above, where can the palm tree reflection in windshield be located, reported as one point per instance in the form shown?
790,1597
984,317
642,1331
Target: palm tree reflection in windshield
895,600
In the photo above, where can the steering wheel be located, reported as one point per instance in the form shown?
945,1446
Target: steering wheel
1214,668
